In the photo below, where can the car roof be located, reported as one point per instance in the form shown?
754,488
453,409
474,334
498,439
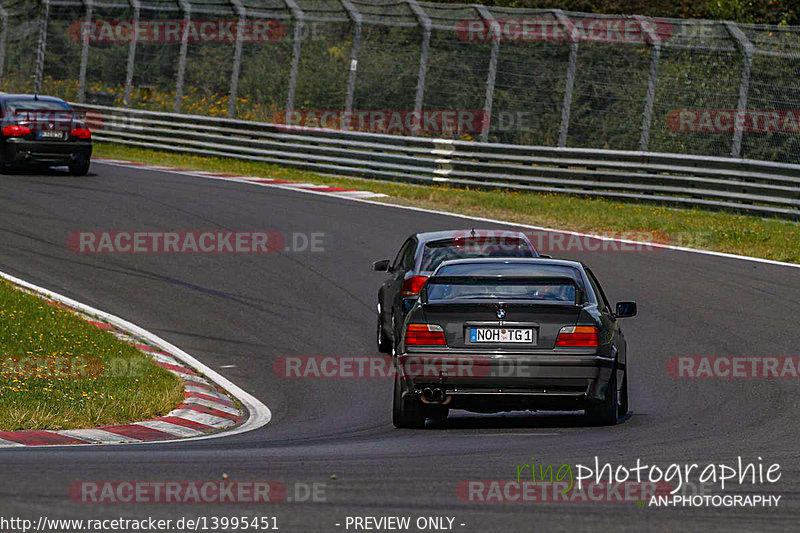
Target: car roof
513,260
430,236
7,96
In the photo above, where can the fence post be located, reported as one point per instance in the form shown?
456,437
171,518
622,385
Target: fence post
744,44
241,12
356,17
85,31
425,22
3,35
136,5
41,46
298,17
490,80
647,114
187,20
570,82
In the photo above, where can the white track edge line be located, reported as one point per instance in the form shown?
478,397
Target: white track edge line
259,414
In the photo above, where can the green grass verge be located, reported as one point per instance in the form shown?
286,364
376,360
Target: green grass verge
57,371
695,228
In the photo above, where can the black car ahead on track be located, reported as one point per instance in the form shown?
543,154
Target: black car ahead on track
490,335
419,256
44,131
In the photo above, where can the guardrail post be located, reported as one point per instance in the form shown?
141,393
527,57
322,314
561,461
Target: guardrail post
356,17
85,31
744,44
570,82
490,80
3,36
137,6
425,23
647,114
41,46
298,17
241,12
187,20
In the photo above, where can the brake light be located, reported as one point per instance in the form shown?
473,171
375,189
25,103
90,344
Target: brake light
413,285
578,337
16,131
425,335
82,133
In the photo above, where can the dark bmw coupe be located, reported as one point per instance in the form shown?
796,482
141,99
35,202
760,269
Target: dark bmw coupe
43,131
490,335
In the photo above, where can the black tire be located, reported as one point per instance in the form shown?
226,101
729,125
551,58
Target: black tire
384,343
80,167
406,412
606,411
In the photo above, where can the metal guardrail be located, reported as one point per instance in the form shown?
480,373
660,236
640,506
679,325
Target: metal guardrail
750,186
539,76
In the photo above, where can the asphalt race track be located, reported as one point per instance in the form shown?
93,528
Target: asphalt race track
247,310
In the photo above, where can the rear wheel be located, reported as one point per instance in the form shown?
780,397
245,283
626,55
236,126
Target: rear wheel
80,167
406,412
606,411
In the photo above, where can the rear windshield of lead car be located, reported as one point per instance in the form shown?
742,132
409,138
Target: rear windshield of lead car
506,286
436,252
505,290
34,105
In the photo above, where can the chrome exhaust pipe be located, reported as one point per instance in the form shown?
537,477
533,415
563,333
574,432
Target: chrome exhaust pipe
435,396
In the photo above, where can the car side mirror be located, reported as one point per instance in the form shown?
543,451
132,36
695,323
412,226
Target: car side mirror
381,266
625,309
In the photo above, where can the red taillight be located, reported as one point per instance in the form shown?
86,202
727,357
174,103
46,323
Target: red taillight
16,131
425,335
578,337
82,133
413,285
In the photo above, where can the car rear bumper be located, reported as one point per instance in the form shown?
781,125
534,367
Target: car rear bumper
561,382
45,152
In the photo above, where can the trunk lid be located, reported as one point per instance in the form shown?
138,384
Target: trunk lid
479,326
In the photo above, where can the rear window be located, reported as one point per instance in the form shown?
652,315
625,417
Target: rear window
508,289
436,252
35,105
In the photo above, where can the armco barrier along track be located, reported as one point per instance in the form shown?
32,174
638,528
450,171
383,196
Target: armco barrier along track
756,187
